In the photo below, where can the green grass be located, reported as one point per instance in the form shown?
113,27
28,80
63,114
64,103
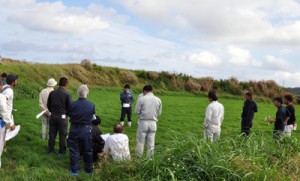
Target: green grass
180,151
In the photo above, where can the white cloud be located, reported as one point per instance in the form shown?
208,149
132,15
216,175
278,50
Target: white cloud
241,57
15,3
204,59
272,62
55,17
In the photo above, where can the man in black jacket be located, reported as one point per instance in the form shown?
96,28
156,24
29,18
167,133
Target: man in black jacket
249,109
58,103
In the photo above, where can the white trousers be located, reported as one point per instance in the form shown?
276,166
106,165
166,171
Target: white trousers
2,141
145,133
45,127
212,132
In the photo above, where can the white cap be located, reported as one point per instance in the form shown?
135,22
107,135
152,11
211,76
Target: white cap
51,82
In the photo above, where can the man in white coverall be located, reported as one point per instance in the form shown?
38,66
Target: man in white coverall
148,108
43,99
4,120
214,117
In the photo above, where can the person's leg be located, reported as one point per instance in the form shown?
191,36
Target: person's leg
151,138
52,134
2,141
216,132
140,138
87,142
44,127
123,114
63,131
208,134
129,114
73,142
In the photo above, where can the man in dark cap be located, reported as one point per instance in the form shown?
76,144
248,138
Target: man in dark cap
58,103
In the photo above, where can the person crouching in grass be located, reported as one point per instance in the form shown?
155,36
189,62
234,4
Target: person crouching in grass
282,116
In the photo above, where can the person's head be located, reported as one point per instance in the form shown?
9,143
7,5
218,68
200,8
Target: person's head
126,87
96,121
83,91
118,128
278,101
11,79
288,99
3,76
51,82
63,82
248,96
212,95
147,88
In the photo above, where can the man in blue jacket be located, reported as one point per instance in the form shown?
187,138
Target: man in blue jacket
127,99
81,114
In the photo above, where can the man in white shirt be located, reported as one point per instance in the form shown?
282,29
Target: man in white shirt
148,108
43,99
4,117
214,117
117,145
8,92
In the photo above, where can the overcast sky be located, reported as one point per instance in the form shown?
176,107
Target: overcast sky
251,40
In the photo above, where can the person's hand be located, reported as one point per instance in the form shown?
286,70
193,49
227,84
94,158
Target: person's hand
12,127
285,123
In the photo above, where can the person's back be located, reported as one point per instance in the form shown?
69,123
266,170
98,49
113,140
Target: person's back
43,97
59,101
118,145
215,113
150,107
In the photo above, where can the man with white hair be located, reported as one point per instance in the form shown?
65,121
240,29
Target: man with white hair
43,99
81,114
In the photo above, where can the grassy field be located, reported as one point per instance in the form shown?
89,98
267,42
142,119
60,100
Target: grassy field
180,151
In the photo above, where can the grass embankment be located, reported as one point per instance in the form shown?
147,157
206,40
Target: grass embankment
180,152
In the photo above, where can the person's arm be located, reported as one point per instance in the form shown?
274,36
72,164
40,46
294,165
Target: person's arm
159,110
49,102
208,114
3,109
255,107
41,102
106,146
138,107
287,117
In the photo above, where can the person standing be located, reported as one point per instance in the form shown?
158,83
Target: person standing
214,117
290,124
4,120
81,114
117,145
148,108
282,116
43,99
127,99
8,92
58,103
249,109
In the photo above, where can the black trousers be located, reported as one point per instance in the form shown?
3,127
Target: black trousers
246,125
124,111
57,124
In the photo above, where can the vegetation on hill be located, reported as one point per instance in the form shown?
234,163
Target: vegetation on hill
33,75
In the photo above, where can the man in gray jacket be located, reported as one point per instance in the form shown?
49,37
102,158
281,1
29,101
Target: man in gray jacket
148,108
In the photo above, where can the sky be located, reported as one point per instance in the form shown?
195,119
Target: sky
249,40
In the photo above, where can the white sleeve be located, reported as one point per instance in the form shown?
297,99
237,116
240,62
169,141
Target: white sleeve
106,146
3,109
138,106
208,114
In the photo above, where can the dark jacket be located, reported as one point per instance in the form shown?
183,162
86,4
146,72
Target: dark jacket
81,112
249,109
59,101
281,114
98,142
126,97
292,119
